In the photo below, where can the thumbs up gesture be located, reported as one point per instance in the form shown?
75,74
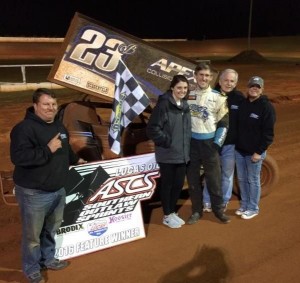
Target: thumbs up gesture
55,143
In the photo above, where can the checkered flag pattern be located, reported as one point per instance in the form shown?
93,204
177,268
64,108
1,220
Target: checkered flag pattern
130,100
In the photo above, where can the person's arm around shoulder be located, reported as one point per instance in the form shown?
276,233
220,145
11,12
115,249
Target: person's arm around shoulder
223,122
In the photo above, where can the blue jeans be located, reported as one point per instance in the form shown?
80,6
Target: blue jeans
227,159
41,216
248,174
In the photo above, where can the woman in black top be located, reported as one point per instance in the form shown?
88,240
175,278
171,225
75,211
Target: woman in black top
170,129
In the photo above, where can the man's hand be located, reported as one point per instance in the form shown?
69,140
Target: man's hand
255,157
55,143
81,161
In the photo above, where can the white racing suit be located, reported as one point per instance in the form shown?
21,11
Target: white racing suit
210,121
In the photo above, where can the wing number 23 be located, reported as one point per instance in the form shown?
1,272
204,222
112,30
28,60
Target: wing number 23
112,49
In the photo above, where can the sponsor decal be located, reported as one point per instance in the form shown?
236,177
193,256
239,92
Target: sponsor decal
119,218
71,79
97,228
101,89
70,229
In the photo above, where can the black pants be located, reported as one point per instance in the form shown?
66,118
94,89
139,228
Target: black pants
171,184
203,153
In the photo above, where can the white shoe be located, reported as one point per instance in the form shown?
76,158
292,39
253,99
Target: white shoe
207,207
170,221
177,218
240,211
248,214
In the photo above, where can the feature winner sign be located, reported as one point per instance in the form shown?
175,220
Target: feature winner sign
91,52
103,204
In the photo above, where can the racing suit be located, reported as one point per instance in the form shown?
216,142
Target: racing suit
210,121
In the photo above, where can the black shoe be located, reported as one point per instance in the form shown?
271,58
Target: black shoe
36,278
57,264
223,218
194,218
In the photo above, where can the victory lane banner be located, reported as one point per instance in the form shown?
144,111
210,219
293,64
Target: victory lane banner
91,52
103,204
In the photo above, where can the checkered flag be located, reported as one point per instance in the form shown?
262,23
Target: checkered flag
130,100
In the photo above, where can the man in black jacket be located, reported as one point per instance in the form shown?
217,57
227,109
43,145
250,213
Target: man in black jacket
41,153
227,84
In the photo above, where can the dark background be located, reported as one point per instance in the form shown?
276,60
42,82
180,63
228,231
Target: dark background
198,20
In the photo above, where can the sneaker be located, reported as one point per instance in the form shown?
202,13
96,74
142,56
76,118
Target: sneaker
223,218
240,211
195,217
177,218
170,221
57,264
248,214
207,207
36,278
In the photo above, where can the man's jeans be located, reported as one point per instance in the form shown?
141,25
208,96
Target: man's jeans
248,174
227,159
41,215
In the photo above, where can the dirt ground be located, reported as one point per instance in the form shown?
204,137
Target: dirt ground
261,250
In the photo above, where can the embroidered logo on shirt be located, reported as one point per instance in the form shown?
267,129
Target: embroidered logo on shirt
199,111
253,115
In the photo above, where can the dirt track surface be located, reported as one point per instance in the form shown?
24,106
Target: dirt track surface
264,249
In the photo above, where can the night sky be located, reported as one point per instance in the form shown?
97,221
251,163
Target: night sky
202,19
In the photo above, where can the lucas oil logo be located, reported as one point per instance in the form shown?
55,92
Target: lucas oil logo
97,228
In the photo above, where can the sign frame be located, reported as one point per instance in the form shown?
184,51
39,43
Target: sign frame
103,204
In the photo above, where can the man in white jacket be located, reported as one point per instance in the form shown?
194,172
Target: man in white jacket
210,121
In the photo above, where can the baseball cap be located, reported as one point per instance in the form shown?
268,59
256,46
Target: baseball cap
256,81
